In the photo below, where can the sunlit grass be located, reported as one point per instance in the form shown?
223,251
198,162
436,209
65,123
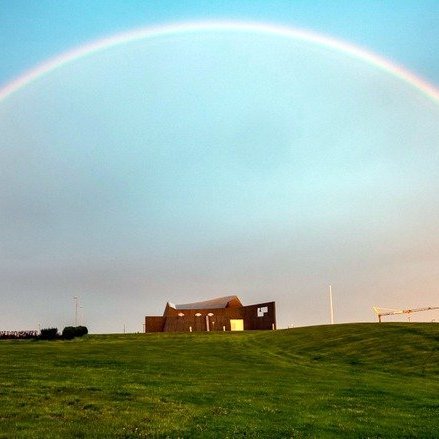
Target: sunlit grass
363,380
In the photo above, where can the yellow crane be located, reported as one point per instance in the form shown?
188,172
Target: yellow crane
380,312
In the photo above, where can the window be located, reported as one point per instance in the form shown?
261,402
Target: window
262,311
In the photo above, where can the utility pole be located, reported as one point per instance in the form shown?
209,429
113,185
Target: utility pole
331,305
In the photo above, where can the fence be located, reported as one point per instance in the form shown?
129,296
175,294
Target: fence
8,335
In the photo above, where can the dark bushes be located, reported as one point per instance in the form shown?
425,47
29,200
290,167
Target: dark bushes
81,330
70,332
49,334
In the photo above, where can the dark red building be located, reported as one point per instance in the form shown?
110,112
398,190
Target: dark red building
221,314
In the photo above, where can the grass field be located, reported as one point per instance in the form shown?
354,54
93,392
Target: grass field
341,381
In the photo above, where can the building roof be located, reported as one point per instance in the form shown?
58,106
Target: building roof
219,302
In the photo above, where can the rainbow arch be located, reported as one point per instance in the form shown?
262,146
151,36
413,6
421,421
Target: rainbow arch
351,50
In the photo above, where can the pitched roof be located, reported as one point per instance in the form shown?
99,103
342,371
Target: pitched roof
219,302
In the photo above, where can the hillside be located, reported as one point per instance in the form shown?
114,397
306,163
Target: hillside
356,380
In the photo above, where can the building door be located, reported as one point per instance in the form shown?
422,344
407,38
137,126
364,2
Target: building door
237,325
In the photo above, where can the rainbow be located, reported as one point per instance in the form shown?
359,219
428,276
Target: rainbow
218,26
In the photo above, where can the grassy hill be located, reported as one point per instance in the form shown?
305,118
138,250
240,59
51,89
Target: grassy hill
356,380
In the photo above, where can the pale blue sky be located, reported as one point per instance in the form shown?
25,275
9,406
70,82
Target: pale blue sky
216,164
406,31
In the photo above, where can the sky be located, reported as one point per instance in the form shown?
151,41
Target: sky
197,164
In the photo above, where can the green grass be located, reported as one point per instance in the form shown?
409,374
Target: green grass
341,381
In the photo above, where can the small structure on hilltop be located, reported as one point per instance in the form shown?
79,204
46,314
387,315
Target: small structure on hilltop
220,314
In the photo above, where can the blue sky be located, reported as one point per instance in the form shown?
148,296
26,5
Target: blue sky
406,31
216,164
